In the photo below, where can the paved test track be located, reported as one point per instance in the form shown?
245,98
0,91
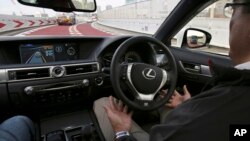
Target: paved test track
83,29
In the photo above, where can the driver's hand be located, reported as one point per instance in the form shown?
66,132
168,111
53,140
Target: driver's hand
178,98
118,115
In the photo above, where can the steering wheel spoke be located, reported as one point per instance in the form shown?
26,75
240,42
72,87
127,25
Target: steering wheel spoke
148,97
123,70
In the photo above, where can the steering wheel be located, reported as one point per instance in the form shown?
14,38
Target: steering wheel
143,82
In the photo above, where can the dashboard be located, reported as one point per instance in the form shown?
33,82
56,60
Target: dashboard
130,56
44,72
140,53
46,51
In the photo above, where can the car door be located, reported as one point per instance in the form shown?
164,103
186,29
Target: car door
193,63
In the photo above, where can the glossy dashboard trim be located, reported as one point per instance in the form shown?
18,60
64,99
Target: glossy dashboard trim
5,78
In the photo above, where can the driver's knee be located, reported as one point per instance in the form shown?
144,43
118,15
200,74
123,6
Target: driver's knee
106,126
99,104
102,118
98,108
18,121
21,127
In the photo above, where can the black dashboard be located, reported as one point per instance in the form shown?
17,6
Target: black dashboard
143,53
21,51
62,50
49,71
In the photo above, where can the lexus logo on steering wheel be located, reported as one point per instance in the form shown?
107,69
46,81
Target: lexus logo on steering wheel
149,73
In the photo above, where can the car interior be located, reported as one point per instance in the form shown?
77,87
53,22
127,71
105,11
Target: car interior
58,95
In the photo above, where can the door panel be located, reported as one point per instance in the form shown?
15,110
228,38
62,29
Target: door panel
193,68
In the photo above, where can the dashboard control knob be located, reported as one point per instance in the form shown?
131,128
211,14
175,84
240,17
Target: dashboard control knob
29,90
57,71
99,81
85,82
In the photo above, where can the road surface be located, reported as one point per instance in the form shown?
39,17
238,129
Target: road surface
83,29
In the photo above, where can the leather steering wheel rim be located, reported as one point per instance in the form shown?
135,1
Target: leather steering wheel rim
116,74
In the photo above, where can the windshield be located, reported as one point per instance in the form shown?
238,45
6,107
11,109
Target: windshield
113,17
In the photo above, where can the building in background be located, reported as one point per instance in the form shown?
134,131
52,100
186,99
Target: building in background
108,7
130,1
133,1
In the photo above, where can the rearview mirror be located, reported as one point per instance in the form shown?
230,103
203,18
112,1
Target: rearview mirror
63,5
196,38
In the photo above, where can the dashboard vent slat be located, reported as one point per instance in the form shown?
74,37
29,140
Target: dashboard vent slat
35,73
28,74
80,69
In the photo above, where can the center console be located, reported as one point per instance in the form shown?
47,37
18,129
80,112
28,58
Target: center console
55,83
77,126
48,86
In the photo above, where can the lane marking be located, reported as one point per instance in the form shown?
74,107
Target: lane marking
33,30
98,28
70,30
73,31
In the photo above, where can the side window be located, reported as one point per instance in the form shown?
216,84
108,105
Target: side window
213,21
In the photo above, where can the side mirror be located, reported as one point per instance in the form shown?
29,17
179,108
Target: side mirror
196,38
63,5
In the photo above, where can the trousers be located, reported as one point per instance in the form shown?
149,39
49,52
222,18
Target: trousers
17,128
106,127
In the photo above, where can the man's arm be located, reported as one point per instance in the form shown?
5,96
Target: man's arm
120,119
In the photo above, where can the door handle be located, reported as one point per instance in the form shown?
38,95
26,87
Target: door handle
191,68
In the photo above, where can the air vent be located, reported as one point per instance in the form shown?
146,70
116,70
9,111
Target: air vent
79,69
28,74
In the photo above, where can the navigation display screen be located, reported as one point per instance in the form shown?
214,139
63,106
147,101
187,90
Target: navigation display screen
37,53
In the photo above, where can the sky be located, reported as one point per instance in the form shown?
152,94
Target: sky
10,7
